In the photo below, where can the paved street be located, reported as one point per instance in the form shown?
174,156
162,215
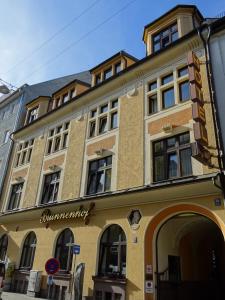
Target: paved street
16,296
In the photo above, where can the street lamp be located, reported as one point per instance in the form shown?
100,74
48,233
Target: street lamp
4,89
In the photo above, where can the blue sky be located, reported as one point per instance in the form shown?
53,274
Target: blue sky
95,30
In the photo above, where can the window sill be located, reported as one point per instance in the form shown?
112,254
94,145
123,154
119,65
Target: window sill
56,152
108,279
171,180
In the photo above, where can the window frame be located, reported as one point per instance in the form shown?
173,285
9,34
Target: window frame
50,188
15,196
24,153
60,245
93,174
106,246
177,149
161,37
31,115
28,251
55,134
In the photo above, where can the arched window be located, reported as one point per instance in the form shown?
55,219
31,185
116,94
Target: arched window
63,250
3,246
112,255
28,253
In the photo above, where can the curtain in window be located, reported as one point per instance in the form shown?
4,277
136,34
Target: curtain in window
3,247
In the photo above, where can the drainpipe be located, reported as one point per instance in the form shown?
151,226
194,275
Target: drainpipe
11,140
206,28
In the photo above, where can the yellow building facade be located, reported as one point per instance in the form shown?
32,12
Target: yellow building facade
113,167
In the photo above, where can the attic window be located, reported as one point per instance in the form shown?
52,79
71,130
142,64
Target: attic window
107,73
165,37
32,115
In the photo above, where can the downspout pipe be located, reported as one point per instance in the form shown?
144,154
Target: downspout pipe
213,102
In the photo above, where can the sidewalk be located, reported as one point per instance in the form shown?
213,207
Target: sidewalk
16,296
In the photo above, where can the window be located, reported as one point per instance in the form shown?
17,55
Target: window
103,118
57,102
107,73
3,247
152,86
114,120
32,115
99,175
166,79
15,196
117,67
168,99
102,124
28,252
184,90
24,151
6,136
112,255
183,71
51,187
65,98
172,157
57,138
63,250
153,106
73,93
50,104
165,37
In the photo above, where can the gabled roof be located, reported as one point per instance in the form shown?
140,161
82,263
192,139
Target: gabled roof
47,88
118,54
179,6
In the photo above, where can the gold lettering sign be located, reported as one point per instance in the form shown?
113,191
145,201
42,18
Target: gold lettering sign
200,133
196,94
198,113
80,213
193,60
194,76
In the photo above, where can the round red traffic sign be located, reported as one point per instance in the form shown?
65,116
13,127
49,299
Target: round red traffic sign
52,266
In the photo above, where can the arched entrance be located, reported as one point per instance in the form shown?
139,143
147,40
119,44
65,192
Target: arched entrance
190,259
184,248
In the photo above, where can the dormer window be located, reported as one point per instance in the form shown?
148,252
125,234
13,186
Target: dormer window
72,93
32,115
107,73
165,37
117,67
65,98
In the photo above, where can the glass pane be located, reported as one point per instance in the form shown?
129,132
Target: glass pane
103,125
114,120
174,36
156,46
174,28
108,296
184,89
165,41
97,78
65,139
159,168
98,295
165,32
183,71
92,129
49,146
158,147
114,104
94,165
104,108
93,113
117,68
117,296
153,107
109,160
100,182
172,165
185,157
107,73
91,184
59,129
171,142
168,98
57,143
167,79
152,86
184,138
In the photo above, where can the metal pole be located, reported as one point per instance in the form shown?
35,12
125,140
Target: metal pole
73,277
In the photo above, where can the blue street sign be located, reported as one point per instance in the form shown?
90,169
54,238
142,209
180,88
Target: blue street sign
76,249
